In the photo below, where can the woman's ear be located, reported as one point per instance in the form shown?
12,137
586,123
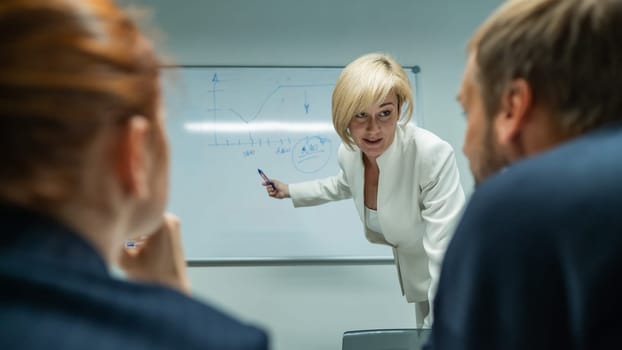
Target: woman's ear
132,157
516,105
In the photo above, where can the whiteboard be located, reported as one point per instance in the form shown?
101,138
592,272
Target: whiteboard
226,122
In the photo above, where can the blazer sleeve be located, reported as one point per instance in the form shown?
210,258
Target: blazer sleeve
321,191
442,201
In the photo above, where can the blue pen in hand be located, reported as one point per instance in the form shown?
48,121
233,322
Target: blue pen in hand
265,178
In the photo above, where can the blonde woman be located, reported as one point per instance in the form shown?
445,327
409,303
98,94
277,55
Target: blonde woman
403,179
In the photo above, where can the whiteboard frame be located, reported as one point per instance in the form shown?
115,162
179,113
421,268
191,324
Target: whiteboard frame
300,261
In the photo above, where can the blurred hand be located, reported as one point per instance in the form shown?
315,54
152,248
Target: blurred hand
159,257
282,189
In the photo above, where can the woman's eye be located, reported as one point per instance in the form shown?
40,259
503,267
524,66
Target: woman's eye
361,115
386,113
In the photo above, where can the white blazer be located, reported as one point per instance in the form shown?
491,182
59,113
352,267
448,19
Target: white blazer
419,202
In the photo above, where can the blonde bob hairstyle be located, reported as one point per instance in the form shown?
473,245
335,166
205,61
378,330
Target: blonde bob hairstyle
366,82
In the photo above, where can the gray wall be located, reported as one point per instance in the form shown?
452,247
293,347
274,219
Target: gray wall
310,307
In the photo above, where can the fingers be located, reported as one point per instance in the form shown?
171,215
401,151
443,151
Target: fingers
134,245
272,187
276,189
272,192
158,257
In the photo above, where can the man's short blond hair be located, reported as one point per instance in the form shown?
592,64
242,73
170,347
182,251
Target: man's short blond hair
569,52
366,82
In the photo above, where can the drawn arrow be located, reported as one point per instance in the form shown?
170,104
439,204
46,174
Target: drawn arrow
306,103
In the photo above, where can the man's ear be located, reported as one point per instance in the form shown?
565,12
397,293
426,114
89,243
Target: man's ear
131,157
516,106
